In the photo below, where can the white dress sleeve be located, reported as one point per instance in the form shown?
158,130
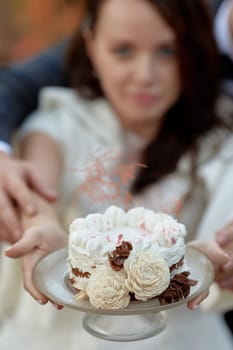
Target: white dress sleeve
79,128
53,119
76,124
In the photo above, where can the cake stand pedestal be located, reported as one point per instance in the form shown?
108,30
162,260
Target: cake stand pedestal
123,328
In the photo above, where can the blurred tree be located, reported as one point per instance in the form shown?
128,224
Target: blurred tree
28,26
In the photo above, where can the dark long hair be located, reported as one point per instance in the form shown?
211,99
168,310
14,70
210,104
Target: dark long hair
194,113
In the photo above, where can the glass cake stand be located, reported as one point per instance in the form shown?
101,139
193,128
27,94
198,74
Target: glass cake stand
124,328
139,320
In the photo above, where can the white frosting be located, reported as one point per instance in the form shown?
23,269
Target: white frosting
93,238
115,216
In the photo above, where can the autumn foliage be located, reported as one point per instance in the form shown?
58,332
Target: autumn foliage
28,26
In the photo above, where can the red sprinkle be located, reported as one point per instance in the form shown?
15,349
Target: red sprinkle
119,238
173,240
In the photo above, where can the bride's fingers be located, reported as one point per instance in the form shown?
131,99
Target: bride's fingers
194,303
57,306
212,250
25,245
226,283
29,263
225,235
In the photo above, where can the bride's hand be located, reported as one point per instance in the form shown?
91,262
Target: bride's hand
39,239
217,257
224,238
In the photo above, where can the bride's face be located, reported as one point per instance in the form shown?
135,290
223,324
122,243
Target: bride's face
134,53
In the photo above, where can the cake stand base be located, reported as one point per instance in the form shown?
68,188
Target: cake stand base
125,327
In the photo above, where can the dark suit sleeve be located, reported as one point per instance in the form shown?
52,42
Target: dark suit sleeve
20,84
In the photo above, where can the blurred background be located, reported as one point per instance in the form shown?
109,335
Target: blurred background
29,26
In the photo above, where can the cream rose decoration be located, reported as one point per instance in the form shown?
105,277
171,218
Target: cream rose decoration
106,289
148,275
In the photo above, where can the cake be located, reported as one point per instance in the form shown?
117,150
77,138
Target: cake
120,256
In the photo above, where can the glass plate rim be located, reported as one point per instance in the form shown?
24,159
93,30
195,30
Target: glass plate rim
40,272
